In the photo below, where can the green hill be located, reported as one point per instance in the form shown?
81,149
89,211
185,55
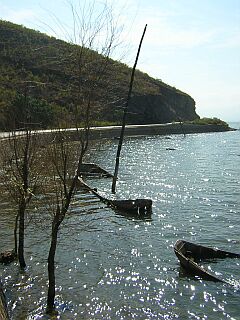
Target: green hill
42,81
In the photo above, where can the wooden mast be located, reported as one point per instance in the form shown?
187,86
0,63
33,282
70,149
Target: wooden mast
124,116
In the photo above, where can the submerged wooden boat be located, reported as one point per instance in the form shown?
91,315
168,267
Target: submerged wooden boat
189,254
137,206
93,170
140,207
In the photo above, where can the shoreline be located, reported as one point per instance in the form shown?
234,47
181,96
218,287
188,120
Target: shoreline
110,132
155,129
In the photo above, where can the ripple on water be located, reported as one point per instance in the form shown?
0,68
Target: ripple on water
111,267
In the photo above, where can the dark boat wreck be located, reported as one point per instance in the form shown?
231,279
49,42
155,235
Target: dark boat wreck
138,207
93,170
189,254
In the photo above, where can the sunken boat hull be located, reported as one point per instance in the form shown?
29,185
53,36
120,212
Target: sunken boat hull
189,254
138,207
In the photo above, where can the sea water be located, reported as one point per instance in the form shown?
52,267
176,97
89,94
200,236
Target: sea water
110,266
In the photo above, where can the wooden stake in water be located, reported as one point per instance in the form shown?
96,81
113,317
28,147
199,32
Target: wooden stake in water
124,116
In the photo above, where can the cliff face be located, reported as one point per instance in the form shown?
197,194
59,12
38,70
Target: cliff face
167,106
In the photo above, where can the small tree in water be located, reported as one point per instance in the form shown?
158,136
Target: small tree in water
20,177
90,70
65,185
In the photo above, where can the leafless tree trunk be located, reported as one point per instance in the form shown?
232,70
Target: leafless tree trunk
15,235
21,212
88,70
63,199
51,262
25,197
19,173
92,32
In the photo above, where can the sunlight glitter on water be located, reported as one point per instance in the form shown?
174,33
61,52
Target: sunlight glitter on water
113,267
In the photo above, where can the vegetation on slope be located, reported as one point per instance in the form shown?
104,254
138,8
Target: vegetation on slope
214,120
41,71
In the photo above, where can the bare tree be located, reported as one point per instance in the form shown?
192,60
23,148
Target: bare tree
20,169
20,179
64,183
93,40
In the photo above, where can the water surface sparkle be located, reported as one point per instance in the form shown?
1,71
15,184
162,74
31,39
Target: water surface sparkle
113,267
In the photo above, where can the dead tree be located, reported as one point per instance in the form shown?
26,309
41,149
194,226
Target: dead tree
89,69
20,172
65,185
18,155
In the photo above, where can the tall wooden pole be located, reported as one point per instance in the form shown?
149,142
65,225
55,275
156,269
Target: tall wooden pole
125,114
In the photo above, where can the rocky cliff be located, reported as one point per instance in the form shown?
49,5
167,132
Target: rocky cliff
167,106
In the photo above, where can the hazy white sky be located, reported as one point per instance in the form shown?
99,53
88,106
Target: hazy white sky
190,44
